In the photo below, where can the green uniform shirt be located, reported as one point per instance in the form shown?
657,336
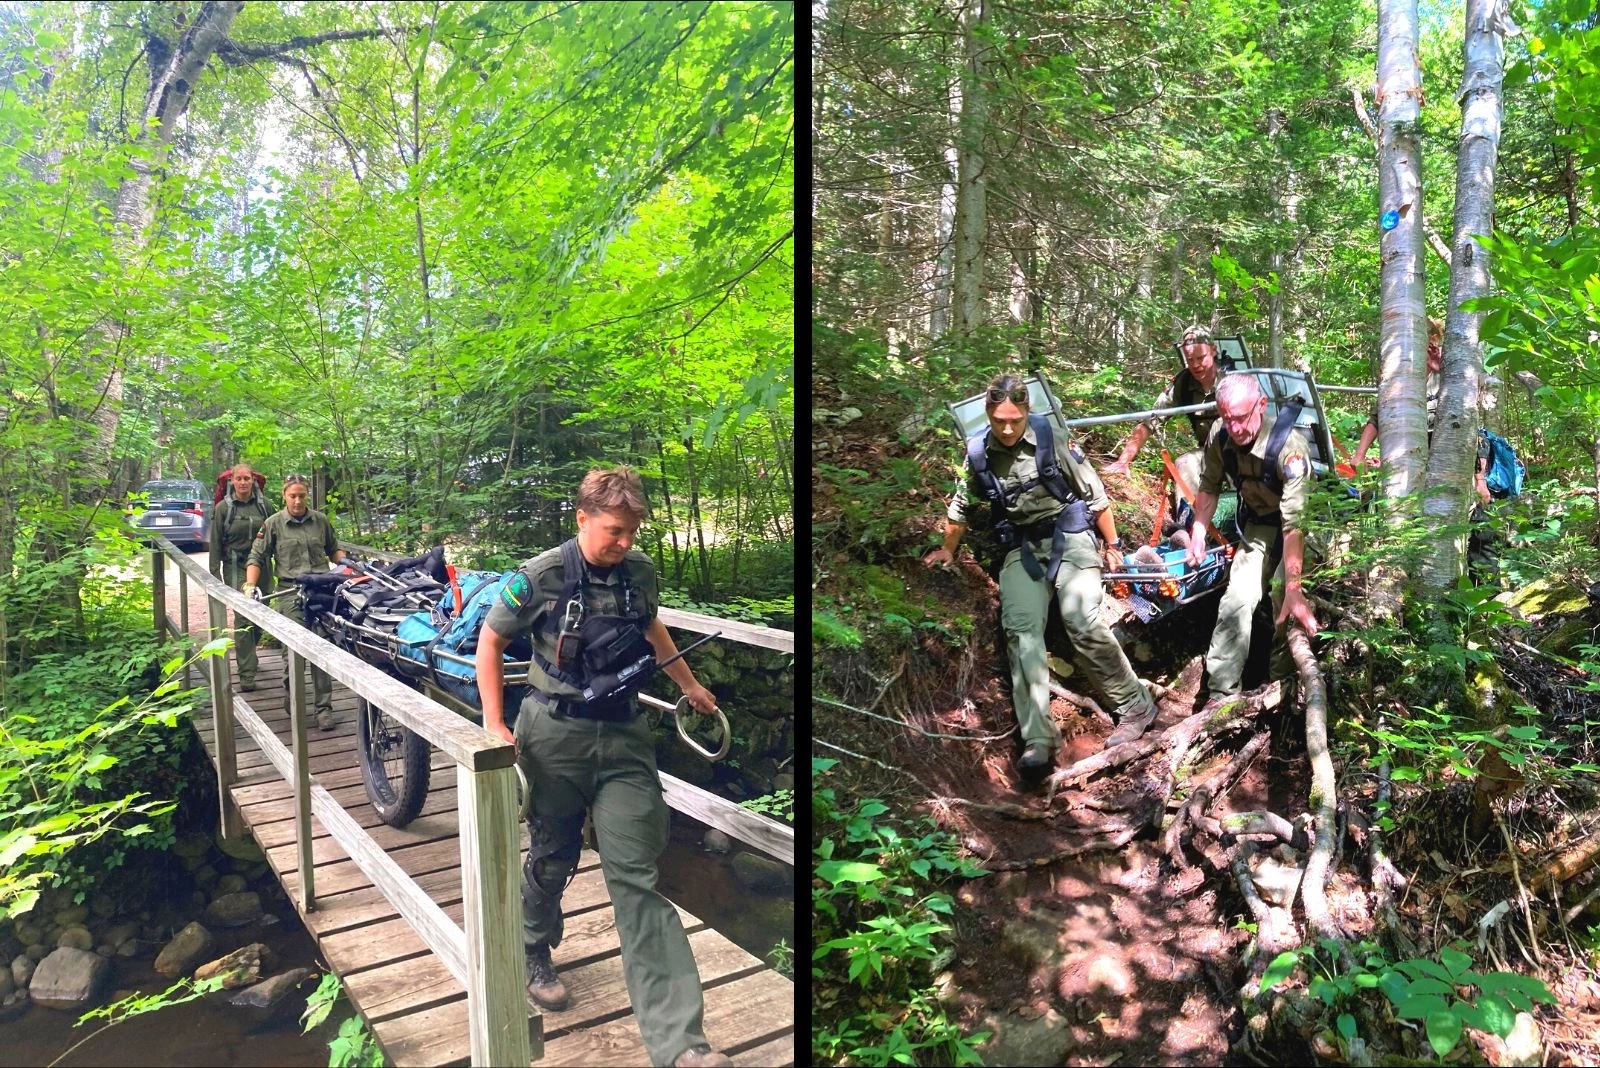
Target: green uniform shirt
235,524
1016,465
1185,389
1294,464
524,606
295,546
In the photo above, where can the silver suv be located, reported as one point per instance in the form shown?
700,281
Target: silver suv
176,509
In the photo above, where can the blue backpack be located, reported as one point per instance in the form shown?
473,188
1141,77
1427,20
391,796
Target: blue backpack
421,632
1505,470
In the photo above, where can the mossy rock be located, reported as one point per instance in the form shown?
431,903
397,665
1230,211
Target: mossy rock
1549,596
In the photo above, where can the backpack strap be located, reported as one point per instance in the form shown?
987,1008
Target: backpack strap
576,584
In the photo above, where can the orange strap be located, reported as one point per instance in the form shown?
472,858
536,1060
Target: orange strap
455,587
1342,450
1161,511
1183,488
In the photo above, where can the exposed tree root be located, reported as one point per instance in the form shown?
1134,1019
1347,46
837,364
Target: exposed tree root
1324,788
1181,829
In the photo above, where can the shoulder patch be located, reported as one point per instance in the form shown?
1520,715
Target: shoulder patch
516,591
1295,465
1077,453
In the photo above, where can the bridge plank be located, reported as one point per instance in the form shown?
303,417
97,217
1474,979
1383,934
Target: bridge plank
435,1035
755,1009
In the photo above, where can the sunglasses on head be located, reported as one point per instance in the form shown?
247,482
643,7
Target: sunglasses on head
297,480
1016,395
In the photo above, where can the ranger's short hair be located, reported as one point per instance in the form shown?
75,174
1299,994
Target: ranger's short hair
1238,388
1196,332
613,489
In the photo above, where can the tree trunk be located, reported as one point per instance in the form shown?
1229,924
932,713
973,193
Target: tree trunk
971,179
945,224
1449,484
1403,331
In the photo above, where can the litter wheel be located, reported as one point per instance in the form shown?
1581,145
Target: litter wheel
394,765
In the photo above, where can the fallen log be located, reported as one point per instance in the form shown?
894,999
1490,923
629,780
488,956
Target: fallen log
1568,864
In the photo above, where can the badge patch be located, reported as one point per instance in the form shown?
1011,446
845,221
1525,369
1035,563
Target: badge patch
515,593
1295,466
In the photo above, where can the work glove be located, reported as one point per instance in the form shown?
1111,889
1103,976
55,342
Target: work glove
251,591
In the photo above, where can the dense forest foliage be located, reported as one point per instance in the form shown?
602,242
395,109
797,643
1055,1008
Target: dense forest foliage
442,258
445,257
1062,187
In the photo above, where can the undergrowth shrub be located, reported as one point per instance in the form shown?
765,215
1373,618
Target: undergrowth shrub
881,932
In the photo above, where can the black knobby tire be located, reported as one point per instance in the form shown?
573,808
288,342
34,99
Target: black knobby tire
394,765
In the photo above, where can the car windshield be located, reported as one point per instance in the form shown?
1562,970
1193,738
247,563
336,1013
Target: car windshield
175,490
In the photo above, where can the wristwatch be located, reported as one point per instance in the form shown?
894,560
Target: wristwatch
1115,544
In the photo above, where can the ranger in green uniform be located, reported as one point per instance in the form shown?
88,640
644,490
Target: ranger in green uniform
1272,496
587,608
1195,384
293,542
235,522
1041,506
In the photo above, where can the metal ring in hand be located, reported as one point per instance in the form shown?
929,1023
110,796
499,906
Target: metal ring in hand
683,707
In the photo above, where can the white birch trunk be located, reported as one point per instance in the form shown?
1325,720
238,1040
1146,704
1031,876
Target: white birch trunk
1403,331
1403,326
1450,474
971,180
172,82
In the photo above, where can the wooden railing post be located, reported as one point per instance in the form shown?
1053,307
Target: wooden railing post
222,721
158,585
497,1009
302,779
183,621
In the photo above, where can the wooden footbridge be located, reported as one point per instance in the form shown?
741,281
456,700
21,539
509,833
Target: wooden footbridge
423,924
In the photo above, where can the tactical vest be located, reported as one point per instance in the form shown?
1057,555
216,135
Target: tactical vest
606,658
1072,519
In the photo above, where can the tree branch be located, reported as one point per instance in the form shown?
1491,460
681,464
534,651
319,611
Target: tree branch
238,53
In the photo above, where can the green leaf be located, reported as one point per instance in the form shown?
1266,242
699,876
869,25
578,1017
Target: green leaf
1454,961
1347,1025
1444,1030
1429,985
1418,1006
1280,969
849,871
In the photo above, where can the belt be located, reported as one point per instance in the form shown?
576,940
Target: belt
613,711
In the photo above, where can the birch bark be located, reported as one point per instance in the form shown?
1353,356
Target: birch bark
1449,482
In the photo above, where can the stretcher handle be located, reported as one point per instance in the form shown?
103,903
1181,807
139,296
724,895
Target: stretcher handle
524,794
683,708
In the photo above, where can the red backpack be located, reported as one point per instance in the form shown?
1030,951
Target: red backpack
222,484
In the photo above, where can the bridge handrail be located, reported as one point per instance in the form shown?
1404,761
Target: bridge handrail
486,954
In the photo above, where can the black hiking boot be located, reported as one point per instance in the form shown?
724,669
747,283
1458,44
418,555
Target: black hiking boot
1133,719
545,988
1036,755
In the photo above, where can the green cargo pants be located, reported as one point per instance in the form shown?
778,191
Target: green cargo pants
1024,605
1247,582
244,632
320,682
610,770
